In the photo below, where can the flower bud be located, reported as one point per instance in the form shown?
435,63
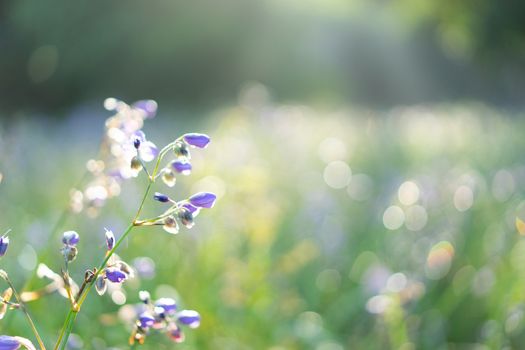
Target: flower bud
136,165
4,244
101,285
192,209
110,239
185,217
168,177
144,296
170,225
70,253
182,166
203,200
70,238
136,143
190,318
115,275
161,197
181,150
146,320
168,305
197,140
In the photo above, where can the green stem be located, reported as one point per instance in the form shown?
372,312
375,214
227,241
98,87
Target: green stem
66,323
67,327
26,313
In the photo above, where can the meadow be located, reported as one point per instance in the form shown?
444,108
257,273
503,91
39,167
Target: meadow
333,229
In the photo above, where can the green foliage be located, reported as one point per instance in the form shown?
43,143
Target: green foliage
296,253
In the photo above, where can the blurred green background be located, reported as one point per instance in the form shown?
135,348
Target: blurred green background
367,155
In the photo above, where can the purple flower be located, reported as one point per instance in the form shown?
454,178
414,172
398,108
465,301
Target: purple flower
168,305
182,167
203,200
12,343
197,140
191,208
190,318
146,320
161,197
148,107
4,243
70,238
110,239
147,149
8,343
115,275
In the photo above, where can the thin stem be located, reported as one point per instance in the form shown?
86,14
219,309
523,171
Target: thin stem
26,313
71,316
62,332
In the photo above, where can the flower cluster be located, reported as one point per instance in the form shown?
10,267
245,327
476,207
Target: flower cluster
182,211
123,144
182,163
124,153
162,316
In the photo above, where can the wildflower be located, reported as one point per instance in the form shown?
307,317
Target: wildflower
12,343
146,149
70,238
162,316
110,239
197,140
203,200
181,166
148,107
4,244
115,275
123,140
144,296
135,165
116,271
101,285
185,217
146,320
171,225
168,177
167,305
190,318
161,197
181,150
191,208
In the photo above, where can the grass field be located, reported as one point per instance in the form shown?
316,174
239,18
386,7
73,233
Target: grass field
343,229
